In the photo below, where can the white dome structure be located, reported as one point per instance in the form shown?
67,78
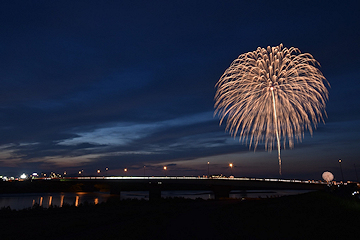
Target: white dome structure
328,176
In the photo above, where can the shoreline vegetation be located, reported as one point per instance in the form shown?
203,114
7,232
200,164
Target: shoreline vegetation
313,215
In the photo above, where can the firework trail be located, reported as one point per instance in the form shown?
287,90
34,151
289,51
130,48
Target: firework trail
272,95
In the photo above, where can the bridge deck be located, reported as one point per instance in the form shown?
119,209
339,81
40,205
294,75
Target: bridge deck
220,186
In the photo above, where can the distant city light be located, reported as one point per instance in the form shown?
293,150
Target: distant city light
23,176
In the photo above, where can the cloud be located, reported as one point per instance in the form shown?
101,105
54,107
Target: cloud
126,133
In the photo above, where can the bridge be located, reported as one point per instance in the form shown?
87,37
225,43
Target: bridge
221,187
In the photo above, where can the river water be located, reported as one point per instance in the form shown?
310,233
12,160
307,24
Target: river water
28,200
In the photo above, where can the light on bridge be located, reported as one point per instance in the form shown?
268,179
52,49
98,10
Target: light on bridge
342,175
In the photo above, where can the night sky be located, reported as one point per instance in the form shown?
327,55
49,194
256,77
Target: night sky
88,84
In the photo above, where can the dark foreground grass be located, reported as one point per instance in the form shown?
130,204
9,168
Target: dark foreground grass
316,215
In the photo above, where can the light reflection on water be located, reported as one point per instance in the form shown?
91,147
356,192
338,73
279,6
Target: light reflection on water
28,200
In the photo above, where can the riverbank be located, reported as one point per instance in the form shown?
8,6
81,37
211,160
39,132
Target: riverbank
315,215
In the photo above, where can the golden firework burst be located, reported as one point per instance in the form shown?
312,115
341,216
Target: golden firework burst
272,95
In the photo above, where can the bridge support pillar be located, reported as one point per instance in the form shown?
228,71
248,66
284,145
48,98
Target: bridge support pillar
221,191
154,191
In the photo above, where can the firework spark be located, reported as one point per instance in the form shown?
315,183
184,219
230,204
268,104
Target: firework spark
272,95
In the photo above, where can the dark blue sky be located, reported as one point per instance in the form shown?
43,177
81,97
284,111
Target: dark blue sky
123,84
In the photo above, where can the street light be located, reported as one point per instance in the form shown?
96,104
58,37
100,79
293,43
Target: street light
125,170
231,166
208,169
165,170
342,175
98,171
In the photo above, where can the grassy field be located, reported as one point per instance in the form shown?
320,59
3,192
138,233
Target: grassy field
315,215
